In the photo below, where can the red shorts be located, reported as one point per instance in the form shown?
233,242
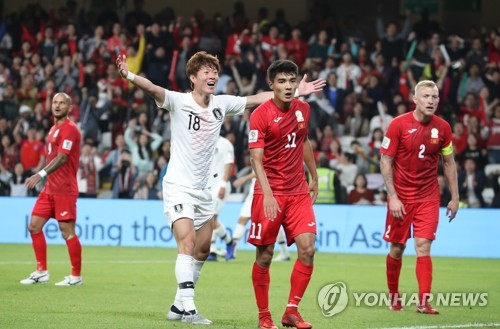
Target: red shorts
296,216
422,217
60,207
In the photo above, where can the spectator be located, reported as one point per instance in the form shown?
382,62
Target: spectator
382,119
148,190
471,183
9,153
391,41
459,138
141,146
32,152
493,141
347,169
124,178
357,125
361,195
88,172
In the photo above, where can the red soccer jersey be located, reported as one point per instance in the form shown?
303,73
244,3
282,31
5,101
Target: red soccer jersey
281,133
416,149
31,151
63,138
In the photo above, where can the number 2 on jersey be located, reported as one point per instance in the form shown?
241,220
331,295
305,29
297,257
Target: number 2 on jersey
422,150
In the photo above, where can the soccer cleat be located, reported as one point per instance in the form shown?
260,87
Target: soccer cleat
212,257
265,321
174,314
195,318
70,281
282,257
395,303
427,309
230,251
294,320
37,277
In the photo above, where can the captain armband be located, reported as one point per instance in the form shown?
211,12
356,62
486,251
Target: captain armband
447,150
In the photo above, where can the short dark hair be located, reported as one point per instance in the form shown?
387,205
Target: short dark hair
282,66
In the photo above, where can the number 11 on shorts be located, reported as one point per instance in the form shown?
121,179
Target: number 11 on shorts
253,228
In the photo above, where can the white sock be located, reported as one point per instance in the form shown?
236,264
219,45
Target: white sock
213,242
222,233
197,265
185,280
239,232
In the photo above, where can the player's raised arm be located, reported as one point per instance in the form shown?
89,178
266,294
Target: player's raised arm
305,88
157,92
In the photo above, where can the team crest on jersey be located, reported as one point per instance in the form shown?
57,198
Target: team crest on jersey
300,117
434,136
178,208
301,125
217,114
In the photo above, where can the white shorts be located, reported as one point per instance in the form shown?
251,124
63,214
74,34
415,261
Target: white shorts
219,203
184,202
246,210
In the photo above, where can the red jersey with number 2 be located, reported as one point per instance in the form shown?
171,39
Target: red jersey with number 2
63,138
416,149
281,133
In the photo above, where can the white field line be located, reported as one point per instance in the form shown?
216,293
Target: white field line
451,326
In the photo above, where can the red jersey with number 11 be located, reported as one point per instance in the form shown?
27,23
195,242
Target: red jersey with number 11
416,148
281,133
63,138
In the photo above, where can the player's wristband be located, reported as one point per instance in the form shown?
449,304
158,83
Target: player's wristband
42,173
296,93
130,76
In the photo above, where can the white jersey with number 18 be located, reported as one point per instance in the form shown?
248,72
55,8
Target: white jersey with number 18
195,131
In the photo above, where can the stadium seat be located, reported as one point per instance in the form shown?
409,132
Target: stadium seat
491,168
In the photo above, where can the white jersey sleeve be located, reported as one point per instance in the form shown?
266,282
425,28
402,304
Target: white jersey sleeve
195,131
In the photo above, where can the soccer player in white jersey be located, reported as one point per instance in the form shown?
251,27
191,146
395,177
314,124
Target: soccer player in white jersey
223,165
196,119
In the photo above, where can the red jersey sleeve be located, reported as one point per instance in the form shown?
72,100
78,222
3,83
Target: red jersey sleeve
69,139
390,142
258,129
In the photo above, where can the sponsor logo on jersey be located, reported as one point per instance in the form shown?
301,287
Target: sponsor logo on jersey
278,119
411,131
253,136
386,142
300,117
217,114
67,145
434,136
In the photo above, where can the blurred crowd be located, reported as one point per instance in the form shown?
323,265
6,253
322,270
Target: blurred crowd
126,137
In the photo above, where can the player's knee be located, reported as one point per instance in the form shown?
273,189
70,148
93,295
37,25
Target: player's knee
306,254
33,229
397,250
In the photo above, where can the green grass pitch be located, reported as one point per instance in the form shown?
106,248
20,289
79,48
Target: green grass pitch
133,288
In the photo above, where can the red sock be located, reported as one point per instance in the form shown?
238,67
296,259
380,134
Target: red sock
40,248
393,269
301,275
75,254
424,278
260,280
